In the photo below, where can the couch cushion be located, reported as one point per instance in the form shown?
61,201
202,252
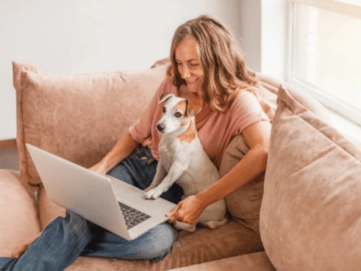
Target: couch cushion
48,210
77,117
18,213
243,204
249,262
189,249
227,241
310,214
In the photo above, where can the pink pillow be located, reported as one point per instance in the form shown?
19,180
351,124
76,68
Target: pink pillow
78,117
311,208
18,212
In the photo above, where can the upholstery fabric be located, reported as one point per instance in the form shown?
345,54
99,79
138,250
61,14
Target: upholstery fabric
243,204
18,212
250,262
303,98
310,214
190,248
77,117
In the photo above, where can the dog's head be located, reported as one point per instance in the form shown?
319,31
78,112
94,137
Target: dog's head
177,113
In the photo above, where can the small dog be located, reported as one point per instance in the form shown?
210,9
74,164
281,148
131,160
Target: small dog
183,160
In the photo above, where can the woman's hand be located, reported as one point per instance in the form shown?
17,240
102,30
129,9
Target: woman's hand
99,168
188,210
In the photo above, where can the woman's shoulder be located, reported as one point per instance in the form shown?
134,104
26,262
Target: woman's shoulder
245,100
246,95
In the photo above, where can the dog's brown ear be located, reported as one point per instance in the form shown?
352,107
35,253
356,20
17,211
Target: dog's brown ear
164,97
193,108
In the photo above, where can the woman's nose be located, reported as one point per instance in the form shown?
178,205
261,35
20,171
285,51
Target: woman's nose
185,73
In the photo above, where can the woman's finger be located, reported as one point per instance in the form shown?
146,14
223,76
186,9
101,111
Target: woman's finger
172,219
174,210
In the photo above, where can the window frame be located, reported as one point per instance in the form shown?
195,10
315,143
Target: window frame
338,6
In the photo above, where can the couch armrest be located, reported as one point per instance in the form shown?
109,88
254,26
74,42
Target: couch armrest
18,213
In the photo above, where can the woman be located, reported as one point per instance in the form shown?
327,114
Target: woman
205,66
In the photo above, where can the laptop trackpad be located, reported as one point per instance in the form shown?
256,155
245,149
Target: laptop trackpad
135,198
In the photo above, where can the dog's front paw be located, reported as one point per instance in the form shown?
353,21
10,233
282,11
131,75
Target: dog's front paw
153,193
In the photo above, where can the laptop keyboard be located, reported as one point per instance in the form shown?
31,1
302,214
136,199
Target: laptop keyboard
132,216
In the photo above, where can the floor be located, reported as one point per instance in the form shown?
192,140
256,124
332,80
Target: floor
9,159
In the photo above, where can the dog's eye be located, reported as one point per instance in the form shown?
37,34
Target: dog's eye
163,109
178,114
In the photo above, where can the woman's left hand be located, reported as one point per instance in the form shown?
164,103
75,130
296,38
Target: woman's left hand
188,210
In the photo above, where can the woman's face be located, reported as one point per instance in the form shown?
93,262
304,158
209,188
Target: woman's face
189,64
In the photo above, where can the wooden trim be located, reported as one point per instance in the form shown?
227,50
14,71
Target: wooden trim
10,143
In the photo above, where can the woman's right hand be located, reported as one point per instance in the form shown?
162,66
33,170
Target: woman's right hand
99,168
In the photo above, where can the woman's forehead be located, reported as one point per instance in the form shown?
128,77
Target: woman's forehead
187,50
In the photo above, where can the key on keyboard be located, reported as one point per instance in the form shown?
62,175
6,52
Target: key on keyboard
132,216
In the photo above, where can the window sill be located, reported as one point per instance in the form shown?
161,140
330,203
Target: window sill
351,130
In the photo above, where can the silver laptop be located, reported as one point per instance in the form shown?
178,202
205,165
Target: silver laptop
106,201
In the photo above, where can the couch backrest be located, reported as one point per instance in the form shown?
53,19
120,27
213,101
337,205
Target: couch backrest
244,204
77,117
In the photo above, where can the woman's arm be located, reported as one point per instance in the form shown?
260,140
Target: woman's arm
252,165
121,150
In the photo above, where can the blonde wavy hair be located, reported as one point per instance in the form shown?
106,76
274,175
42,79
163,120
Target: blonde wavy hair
225,69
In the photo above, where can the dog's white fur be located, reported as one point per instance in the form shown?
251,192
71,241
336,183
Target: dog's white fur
185,162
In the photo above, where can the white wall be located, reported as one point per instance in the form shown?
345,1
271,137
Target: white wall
81,36
263,31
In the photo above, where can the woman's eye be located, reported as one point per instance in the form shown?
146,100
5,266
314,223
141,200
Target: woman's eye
178,115
178,63
163,109
193,65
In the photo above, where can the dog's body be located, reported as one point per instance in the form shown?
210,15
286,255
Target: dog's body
184,161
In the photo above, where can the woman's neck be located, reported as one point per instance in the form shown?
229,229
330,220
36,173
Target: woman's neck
206,109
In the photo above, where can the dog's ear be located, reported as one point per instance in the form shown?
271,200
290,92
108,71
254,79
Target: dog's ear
164,97
193,108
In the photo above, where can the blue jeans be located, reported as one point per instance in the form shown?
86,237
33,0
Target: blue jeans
64,239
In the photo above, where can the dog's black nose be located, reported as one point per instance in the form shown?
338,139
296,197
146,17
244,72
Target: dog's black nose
160,127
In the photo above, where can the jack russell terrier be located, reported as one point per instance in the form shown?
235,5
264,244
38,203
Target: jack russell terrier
183,160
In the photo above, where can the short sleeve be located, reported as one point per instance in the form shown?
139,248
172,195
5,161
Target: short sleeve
246,110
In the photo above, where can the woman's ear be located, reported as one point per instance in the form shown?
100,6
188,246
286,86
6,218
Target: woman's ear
164,97
193,108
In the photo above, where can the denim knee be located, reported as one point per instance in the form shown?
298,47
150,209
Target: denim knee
164,239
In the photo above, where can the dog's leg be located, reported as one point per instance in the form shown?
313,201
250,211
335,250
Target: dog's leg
214,215
184,226
159,175
216,224
175,171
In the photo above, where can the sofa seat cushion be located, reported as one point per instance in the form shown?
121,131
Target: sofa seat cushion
310,213
190,248
77,117
18,212
249,262
203,245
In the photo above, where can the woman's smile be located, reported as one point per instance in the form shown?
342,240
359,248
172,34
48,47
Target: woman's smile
189,64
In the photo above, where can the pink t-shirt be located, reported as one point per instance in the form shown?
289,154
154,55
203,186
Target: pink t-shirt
215,132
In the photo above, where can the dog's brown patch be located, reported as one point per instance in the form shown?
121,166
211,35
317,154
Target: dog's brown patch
182,107
190,134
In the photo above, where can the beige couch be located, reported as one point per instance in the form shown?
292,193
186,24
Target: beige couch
80,117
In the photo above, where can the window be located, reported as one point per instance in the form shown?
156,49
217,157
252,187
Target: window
325,52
